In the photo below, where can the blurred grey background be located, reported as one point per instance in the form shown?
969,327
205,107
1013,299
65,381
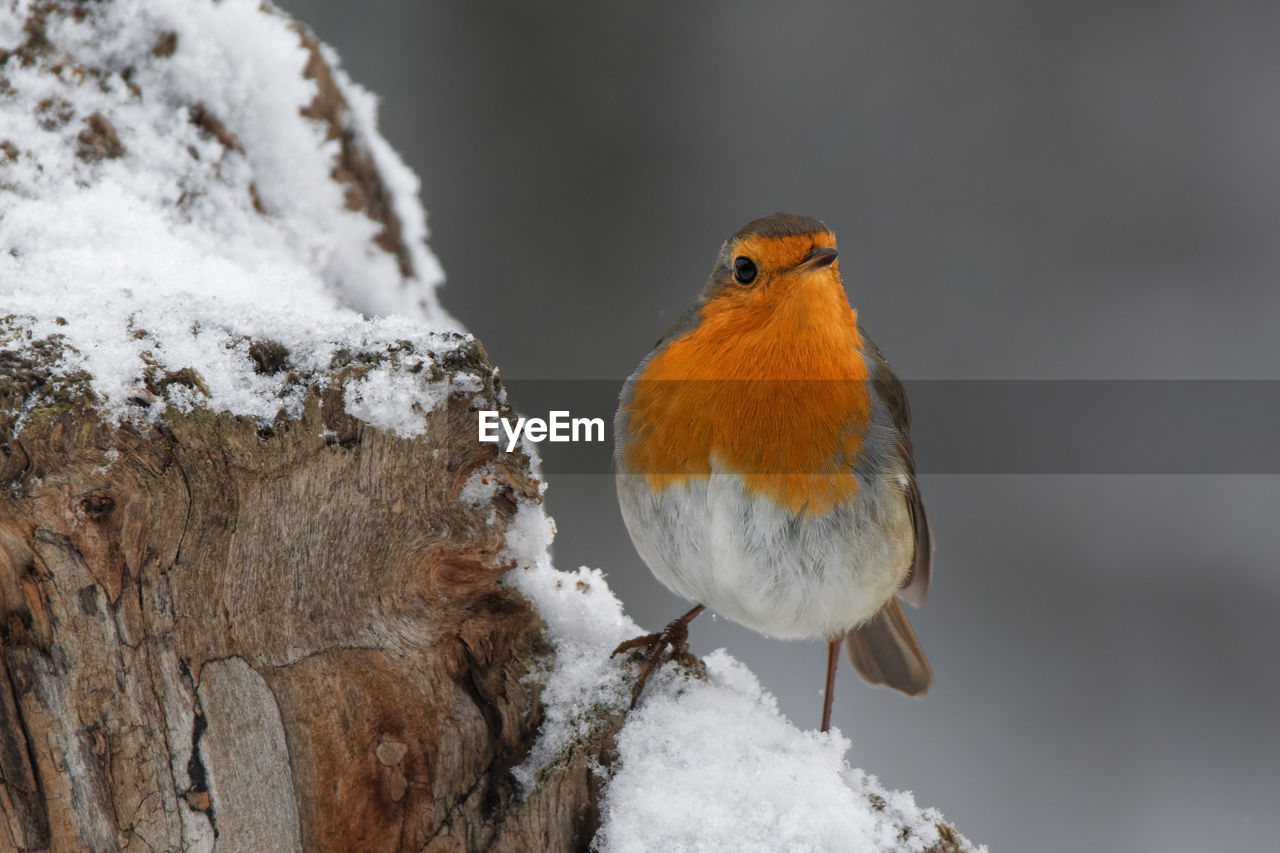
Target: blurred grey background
1021,190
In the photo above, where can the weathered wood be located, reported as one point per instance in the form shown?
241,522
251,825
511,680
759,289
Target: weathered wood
283,638
243,752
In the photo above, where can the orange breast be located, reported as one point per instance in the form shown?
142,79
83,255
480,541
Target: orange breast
775,390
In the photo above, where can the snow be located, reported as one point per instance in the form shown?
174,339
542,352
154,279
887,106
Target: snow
713,766
585,623
176,249
405,190
704,764
387,398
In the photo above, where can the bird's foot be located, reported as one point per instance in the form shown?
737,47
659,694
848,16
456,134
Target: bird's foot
675,636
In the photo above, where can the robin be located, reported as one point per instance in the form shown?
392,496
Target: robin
764,464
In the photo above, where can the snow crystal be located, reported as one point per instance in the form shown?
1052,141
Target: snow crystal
167,203
479,490
480,487
382,397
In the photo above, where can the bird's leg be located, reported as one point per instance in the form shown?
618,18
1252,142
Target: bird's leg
828,697
675,635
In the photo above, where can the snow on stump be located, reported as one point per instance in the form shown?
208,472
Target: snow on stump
261,587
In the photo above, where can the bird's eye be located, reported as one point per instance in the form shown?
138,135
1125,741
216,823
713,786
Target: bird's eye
744,270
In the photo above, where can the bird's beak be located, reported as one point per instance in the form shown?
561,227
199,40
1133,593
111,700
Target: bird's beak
817,259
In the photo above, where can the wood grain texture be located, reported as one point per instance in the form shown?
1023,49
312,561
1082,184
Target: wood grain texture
279,639
246,760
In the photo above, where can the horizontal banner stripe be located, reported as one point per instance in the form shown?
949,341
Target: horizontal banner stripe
1004,426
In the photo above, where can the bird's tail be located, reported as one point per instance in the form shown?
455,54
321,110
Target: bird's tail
886,651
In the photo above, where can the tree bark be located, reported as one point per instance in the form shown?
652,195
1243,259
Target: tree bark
279,638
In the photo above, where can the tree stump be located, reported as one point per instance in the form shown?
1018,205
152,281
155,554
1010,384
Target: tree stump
252,633
279,638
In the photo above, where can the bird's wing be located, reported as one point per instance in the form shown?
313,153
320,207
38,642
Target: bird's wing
888,387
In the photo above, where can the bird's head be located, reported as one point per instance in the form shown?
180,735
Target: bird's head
773,259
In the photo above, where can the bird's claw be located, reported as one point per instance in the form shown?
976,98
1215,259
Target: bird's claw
675,636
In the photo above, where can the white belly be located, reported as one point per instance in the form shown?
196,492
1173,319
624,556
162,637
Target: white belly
755,563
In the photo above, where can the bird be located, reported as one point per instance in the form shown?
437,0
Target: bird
764,466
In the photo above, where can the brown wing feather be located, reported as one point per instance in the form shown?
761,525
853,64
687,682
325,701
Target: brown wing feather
886,651
915,589
888,387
